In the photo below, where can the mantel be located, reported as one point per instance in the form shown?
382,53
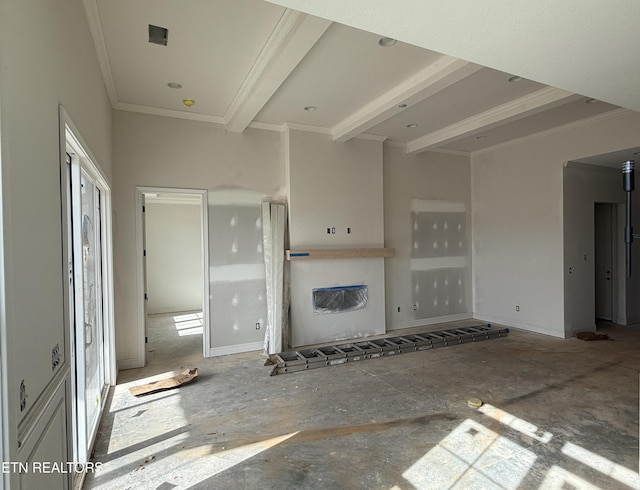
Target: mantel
339,253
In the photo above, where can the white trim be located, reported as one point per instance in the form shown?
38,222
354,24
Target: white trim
83,160
520,325
294,35
266,126
371,137
131,363
95,27
306,127
236,349
432,79
157,111
513,110
558,129
429,321
140,191
5,425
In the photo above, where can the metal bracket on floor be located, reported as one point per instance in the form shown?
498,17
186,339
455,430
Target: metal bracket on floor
293,361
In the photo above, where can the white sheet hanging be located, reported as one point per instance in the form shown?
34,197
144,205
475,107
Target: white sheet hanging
273,235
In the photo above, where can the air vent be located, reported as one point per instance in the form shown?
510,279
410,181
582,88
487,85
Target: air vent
158,35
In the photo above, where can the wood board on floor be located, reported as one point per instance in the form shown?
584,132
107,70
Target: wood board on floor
186,376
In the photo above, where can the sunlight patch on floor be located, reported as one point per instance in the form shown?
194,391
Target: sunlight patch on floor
189,324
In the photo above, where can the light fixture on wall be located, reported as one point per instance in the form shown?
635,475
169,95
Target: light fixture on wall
188,102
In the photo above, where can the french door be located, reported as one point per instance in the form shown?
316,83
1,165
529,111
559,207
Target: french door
89,293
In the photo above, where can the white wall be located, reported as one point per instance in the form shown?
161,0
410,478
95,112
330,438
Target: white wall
427,176
47,58
337,186
158,151
174,256
518,234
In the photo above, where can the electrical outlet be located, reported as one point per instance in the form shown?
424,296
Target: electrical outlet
348,231
398,309
415,307
257,325
517,307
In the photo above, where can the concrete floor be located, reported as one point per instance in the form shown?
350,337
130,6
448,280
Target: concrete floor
559,414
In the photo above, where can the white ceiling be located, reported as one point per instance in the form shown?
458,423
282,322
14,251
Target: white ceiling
251,62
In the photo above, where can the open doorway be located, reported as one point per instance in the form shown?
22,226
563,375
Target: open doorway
174,268
605,218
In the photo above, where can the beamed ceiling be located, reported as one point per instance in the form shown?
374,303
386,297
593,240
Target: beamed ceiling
442,86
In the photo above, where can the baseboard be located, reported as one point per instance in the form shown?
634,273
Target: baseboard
422,322
522,326
235,349
131,363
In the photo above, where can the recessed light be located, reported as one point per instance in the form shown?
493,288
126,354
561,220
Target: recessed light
188,102
387,42
515,78
174,85
310,108
590,101
412,125
402,106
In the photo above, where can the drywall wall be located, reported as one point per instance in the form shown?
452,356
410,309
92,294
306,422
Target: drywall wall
237,272
414,185
174,256
158,151
47,58
518,234
583,186
336,187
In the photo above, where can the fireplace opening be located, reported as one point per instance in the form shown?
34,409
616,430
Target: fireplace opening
340,299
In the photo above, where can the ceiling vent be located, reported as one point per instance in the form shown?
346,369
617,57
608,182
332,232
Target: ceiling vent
158,35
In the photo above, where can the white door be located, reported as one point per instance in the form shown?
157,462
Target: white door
604,264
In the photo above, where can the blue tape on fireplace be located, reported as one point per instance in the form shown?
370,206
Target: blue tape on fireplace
299,254
340,299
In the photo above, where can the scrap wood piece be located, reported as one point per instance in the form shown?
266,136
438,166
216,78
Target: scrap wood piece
184,377
592,336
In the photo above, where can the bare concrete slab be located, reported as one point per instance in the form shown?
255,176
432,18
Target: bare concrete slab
556,414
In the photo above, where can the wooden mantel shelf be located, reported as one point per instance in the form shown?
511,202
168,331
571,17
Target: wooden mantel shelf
339,253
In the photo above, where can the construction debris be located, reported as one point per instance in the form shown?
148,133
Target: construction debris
592,336
184,377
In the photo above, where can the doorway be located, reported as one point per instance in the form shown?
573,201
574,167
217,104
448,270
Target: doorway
605,217
174,272
89,295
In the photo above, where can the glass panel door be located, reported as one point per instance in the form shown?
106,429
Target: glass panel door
89,334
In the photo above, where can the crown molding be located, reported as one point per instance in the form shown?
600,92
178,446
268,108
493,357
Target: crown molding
95,27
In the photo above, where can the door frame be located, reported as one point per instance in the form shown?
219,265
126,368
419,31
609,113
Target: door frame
82,158
140,191
613,207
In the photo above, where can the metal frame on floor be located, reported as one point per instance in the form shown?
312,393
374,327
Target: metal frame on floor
293,361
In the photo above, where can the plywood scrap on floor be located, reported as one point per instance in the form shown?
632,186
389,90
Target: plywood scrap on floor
187,376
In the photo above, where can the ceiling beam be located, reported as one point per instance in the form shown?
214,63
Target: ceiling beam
293,37
442,73
513,110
